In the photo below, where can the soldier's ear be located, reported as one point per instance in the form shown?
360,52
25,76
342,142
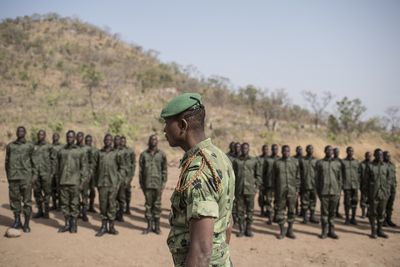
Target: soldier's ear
183,125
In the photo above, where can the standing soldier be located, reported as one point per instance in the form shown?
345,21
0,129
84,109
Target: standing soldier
364,196
378,189
152,179
261,193
202,200
231,154
130,160
336,154
56,146
248,179
91,188
41,158
19,171
298,156
393,186
121,197
72,172
328,181
308,191
286,175
351,185
269,182
110,170
232,157
84,204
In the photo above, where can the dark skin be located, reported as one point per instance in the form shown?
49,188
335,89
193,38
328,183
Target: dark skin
264,151
350,153
237,149
285,152
70,138
41,136
368,156
123,141
231,147
88,140
153,144
378,156
56,139
328,152
387,157
336,152
179,134
21,132
79,138
274,150
245,151
299,151
108,142
310,151
117,142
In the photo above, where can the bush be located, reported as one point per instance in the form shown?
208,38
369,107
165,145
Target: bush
56,126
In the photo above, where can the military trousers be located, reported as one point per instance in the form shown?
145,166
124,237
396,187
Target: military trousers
152,203
55,190
245,208
261,198
390,201
308,200
20,195
350,199
42,189
128,192
108,202
364,199
269,199
85,192
121,196
328,208
69,200
285,200
377,209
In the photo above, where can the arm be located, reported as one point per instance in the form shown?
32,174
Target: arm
297,178
141,171
7,162
201,236
258,174
164,171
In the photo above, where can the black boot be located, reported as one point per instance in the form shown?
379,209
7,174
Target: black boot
269,216
363,212
120,214
389,221
353,220
17,221
84,214
157,229
347,220
305,217
313,219
103,229
66,227
282,233
332,233
40,213
248,231
26,227
324,231
241,229
149,227
74,225
46,211
290,233
374,234
380,231
112,230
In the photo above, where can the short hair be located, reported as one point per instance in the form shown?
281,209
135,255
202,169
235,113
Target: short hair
326,148
70,132
123,137
245,144
377,150
88,136
21,127
195,117
107,135
308,147
80,133
284,146
264,146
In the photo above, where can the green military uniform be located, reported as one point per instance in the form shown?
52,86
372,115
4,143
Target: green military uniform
261,193
41,158
308,191
269,183
153,169
351,184
286,177
393,186
110,171
86,185
19,170
91,191
363,185
54,186
248,179
340,194
130,159
121,196
298,201
72,173
329,184
232,157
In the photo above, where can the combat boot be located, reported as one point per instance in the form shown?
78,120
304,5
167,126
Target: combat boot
305,217
26,227
249,232
103,229
157,226
149,227
373,231
380,231
84,214
112,230
363,212
74,225
40,213
324,231
332,233
46,211
282,233
66,227
313,219
347,220
269,216
17,221
389,221
120,215
353,220
290,233
241,229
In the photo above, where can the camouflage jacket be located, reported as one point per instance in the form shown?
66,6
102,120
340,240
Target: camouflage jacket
110,168
329,177
248,178
267,178
153,170
286,176
72,166
351,174
130,159
308,166
41,158
378,181
18,163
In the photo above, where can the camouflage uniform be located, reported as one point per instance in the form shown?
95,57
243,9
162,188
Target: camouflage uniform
308,191
92,178
55,195
261,193
393,186
269,183
121,196
86,185
363,185
130,159
202,198
351,185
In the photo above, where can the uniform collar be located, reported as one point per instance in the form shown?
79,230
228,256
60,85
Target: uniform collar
22,141
203,144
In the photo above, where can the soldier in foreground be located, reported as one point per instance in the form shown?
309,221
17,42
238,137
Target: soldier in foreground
393,185
285,173
329,183
55,194
298,156
130,160
363,184
91,188
269,183
378,188
202,200
19,170
261,192
41,158
152,179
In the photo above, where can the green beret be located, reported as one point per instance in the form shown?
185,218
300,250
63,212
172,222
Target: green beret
181,103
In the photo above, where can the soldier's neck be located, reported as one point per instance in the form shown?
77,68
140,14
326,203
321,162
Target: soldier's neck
193,138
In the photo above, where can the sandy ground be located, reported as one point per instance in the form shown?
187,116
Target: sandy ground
45,247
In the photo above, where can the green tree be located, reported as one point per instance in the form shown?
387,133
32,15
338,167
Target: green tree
350,112
91,78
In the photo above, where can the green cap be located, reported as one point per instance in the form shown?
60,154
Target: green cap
181,103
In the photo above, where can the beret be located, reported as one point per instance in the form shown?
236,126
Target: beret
181,103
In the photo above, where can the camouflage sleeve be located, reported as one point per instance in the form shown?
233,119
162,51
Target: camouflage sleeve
164,171
258,174
95,162
7,162
122,166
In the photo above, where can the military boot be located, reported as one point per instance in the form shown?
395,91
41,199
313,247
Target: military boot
305,217
249,232
353,220
269,216
157,226
282,233
74,225
84,214
313,219
380,231
40,213
46,211
374,234
332,233
120,214
26,227
149,227
363,212
241,229
290,233
324,231
112,230
389,221
17,221
103,229
347,220
66,227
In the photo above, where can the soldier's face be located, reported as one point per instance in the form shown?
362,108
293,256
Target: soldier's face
41,136
88,141
387,156
368,156
350,152
173,132
123,141
238,148
70,138
245,150
117,141
336,152
21,133
153,141
231,147
108,141
310,150
274,150
265,150
299,151
56,138
286,152
379,156
79,138
328,152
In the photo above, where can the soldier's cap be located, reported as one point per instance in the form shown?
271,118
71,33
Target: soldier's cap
180,104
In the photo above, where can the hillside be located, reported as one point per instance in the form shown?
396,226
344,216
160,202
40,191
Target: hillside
61,73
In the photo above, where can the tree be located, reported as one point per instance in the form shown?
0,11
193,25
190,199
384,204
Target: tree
393,116
350,112
91,78
318,104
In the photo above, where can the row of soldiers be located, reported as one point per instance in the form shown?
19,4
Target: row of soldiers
281,181
69,175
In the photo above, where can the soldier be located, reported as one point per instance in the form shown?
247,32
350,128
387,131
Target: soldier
19,170
328,181
298,156
91,191
364,196
238,149
269,182
41,158
72,172
261,193
308,191
121,197
153,170
202,201
248,179
56,146
110,170
286,175
393,186
130,160
378,189
231,154
351,184
84,203
232,157
336,153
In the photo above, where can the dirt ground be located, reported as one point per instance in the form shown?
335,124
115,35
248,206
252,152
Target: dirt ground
45,247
